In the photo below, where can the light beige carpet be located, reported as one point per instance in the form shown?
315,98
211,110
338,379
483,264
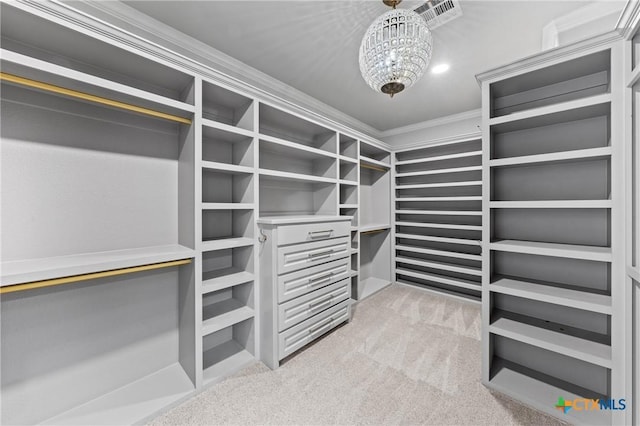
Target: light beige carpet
407,357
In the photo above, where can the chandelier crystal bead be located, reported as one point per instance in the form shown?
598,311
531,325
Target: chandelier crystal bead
395,51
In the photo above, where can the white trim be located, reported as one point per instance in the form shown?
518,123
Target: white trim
629,21
120,24
467,137
539,60
475,113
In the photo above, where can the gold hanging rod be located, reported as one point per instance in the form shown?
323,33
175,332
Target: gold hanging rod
374,231
91,98
380,169
92,276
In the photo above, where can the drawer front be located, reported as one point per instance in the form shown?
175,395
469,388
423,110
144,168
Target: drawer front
305,332
292,234
306,280
299,256
303,307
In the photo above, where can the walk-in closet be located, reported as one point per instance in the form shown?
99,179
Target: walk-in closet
263,212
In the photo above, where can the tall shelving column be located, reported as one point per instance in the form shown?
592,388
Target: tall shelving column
438,216
374,220
227,178
348,151
631,25
554,312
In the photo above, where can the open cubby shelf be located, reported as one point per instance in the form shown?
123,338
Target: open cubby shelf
227,107
226,147
229,349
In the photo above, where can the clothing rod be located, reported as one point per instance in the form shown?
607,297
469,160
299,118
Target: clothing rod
91,98
91,276
367,166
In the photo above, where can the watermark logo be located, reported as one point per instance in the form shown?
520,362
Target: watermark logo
587,404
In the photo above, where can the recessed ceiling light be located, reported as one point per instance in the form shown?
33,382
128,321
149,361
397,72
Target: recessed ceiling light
440,68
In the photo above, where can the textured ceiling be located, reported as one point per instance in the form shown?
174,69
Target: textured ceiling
313,46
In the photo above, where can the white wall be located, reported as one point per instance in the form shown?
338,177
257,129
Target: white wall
441,129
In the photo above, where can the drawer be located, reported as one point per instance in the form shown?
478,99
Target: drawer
305,332
292,234
301,282
303,307
299,256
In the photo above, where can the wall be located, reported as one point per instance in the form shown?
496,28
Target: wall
452,127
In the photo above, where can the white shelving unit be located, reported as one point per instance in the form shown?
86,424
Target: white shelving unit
349,173
553,316
632,156
228,203
438,223
98,262
375,221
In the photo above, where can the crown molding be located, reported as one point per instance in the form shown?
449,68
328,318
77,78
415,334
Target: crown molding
629,22
475,113
557,54
119,24
440,141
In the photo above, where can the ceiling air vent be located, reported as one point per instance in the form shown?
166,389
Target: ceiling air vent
439,12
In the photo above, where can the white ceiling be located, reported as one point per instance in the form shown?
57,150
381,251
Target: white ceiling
313,46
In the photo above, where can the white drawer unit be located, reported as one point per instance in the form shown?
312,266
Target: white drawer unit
301,256
303,307
303,281
305,285
307,331
293,234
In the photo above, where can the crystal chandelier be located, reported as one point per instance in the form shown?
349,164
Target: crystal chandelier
395,51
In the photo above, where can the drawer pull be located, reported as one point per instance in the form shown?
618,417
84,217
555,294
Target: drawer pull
321,325
314,256
319,234
321,279
314,305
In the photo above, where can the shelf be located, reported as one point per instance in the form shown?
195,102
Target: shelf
211,124
375,163
633,273
348,206
370,286
434,252
354,273
225,359
440,185
552,204
297,177
440,171
441,212
287,220
541,395
228,312
292,149
225,278
132,403
575,347
348,159
455,282
228,206
439,239
226,243
79,85
440,158
440,265
23,271
555,295
554,157
634,77
374,227
601,254
563,112
462,198
441,226
227,168
347,182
